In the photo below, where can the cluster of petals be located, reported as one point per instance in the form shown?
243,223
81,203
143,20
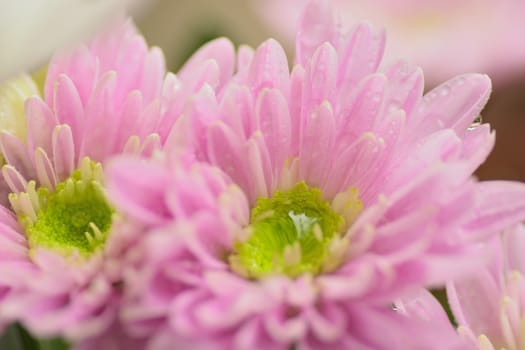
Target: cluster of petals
99,100
489,304
336,121
112,96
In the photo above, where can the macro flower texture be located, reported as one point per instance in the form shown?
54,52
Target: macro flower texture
304,209
241,204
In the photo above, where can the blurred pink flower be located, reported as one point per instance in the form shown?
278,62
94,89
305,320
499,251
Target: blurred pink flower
346,190
489,304
444,37
59,255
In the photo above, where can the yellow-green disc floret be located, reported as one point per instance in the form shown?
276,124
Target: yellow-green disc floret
290,233
74,218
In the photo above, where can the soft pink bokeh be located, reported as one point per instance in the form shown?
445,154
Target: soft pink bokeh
444,37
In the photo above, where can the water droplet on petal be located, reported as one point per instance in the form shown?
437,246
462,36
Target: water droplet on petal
445,90
476,122
460,81
393,106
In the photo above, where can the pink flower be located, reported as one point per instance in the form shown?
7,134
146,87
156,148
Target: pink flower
346,191
444,37
184,294
60,258
62,246
489,304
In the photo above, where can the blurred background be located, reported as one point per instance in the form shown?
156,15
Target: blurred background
444,37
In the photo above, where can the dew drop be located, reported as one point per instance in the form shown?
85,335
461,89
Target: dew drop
460,81
476,122
444,91
393,106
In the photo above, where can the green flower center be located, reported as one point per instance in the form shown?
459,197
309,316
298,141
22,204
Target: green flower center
74,219
294,232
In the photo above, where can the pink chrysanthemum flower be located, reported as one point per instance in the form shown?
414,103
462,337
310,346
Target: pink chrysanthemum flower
185,291
351,190
489,304
59,262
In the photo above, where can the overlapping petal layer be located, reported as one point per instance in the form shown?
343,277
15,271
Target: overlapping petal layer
339,124
489,304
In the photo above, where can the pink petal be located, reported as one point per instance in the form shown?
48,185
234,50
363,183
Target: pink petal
326,322
40,123
68,107
100,111
16,154
149,119
63,152
131,109
237,110
394,326
44,169
475,301
514,245
316,26
501,204
150,144
351,165
152,74
139,196
258,170
244,60
220,50
271,112
79,66
321,77
269,68
226,150
14,179
363,112
424,305
442,146
204,74
391,131
405,86
361,56
454,104
317,143
296,105
404,238
477,144
127,64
